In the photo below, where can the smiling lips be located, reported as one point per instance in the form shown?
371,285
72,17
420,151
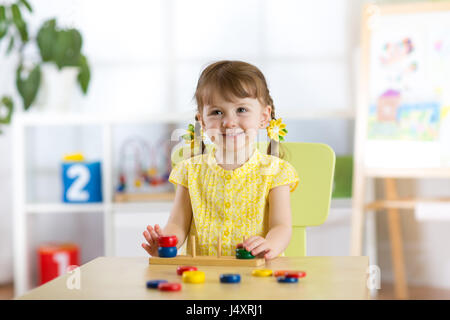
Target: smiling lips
231,134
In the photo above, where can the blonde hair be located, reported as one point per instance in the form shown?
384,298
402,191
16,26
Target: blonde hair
230,80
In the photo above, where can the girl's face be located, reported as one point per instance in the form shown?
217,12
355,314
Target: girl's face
234,126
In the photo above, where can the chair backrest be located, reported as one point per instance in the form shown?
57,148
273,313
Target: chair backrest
310,201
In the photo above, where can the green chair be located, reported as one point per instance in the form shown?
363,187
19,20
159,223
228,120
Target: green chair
310,201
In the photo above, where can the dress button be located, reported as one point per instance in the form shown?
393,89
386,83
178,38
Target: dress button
227,205
228,177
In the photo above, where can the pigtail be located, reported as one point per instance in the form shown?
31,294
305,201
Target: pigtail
274,148
198,136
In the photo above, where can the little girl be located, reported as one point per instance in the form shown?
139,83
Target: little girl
234,191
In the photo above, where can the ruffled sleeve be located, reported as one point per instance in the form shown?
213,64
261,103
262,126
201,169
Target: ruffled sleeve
285,174
179,174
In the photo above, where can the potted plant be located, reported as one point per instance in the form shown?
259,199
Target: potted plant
58,48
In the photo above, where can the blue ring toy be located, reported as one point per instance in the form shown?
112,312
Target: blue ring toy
287,279
167,252
230,278
153,284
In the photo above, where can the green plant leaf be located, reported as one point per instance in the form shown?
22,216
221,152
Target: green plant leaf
26,4
10,45
67,49
28,87
46,38
18,21
6,102
284,129
3,22
84,76
191,127
281,138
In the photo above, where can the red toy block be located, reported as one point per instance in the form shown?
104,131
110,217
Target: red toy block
290,274
54,260
167,241
182,269
169,286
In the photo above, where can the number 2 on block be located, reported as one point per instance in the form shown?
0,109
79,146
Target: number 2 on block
82,177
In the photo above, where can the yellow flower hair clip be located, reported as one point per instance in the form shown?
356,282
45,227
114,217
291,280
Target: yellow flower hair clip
189,137
277,130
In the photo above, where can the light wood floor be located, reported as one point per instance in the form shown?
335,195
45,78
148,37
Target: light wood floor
6,292
385,293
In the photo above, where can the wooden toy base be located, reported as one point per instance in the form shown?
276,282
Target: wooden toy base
228,261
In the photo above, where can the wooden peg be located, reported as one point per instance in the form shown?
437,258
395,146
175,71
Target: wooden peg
193,246
219,247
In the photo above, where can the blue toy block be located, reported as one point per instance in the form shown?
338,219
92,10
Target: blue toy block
153,284
167,252
287,280
82,182
230,278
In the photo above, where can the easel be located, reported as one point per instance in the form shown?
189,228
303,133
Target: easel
391,203
219,260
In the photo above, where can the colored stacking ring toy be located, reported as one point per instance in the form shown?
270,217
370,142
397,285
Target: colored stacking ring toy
287,280
182,269
243,254
262,273
230,278
193,276
290,274
169,286
168,241
153,284
167,252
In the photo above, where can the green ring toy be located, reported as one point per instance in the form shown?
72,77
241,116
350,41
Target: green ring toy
243,254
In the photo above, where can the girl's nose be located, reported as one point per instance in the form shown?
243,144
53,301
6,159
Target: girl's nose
229,122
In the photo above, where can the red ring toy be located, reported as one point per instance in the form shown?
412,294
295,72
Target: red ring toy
168,241
290,274
182,269
169,286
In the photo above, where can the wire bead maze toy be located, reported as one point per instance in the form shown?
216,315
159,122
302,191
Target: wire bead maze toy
139,168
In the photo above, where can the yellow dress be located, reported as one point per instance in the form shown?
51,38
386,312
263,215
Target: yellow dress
230,203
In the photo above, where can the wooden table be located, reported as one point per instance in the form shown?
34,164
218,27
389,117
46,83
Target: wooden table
125,278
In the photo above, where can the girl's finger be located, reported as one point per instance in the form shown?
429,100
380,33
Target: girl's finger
260,248
147,236
147,248
268,255
154,235
249,241
158,230
150,230
254,243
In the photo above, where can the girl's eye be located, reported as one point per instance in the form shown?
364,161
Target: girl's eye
214,112
242,108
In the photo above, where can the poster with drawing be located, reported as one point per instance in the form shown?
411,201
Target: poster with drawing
409,92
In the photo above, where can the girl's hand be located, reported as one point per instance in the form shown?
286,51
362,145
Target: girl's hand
152,235
259,247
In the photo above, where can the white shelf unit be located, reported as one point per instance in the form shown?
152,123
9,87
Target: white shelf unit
22,209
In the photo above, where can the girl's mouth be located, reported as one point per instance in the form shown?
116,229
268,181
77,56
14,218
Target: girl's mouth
231,135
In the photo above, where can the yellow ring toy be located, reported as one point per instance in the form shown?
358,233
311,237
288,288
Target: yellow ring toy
193,277
262,273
